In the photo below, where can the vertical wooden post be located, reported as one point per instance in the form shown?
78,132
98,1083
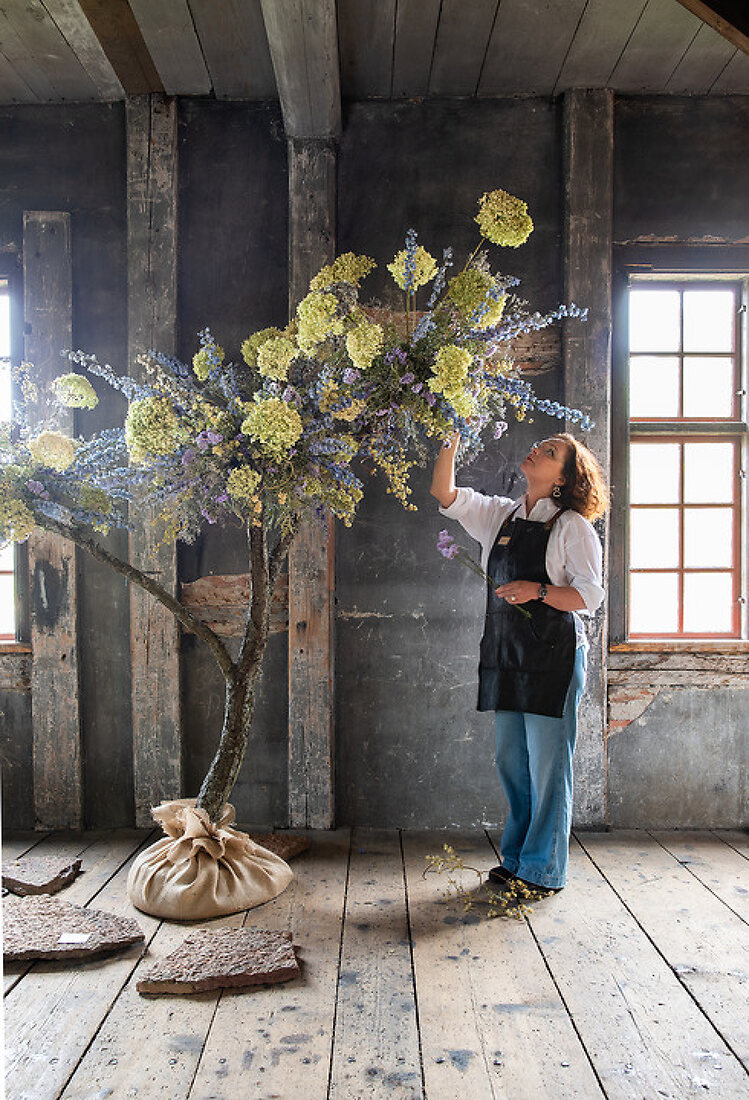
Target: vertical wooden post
312,165
152,324
588,190
55,706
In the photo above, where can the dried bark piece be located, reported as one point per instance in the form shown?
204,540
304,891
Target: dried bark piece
285,845
39,874
224,958
43,927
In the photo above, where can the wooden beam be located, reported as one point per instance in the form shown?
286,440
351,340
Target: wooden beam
114,24
152,322
169,35
55,702
303,40
312,167
730,18
588,234
78,33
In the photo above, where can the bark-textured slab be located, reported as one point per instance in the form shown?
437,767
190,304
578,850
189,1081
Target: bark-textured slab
44,927
39,874
285,845
226,958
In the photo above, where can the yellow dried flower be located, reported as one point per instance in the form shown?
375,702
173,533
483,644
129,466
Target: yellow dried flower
75,392
451,367
275,356
471,294
152,428
275,425
209,356
463,404
317,316
16,519
354,408
53,449
251,345
503,219
346,268
425,268
242,483
364,343
92,499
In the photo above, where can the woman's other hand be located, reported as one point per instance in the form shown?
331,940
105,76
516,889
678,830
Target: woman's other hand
518,591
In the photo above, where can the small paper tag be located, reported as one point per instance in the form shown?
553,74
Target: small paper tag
74,937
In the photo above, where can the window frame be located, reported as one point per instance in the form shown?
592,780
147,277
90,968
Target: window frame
11,273
672,265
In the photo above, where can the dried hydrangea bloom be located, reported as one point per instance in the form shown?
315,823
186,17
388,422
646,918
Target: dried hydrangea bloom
253,343
476,298
208,358
503,219
275,356
364,343
346,268
242,483
53,449
275,425
318,319
424,268
16,519
451,367
75,392
152,428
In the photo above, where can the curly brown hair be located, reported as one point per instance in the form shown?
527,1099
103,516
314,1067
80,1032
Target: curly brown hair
584,489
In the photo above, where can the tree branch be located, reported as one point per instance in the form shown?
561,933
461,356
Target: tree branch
180,612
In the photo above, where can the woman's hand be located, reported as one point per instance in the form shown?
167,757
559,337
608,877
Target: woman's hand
518,591
443,478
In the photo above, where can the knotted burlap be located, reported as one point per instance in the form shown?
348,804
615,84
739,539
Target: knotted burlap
203,869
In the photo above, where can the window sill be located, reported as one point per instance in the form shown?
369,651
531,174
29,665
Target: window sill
725,657
14,647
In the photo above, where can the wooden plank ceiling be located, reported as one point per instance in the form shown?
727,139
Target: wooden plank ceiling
84,50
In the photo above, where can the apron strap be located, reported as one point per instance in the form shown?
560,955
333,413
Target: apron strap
550,523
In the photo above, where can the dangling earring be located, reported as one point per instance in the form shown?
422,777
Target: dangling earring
556,492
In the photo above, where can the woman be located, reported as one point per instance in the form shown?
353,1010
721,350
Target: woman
544,558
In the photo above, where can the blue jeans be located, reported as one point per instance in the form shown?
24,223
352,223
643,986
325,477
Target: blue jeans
534,762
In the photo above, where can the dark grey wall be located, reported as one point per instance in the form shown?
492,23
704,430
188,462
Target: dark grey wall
412,750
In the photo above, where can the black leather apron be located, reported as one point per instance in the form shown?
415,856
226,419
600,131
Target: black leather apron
526,663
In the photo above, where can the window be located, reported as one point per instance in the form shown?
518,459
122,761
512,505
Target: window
683,460
7,553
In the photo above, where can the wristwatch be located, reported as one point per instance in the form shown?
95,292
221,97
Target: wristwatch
542,592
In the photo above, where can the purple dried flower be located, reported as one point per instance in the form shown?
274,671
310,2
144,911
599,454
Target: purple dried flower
214,437
350,376
188,456
407,378
500,428
431,400
417,388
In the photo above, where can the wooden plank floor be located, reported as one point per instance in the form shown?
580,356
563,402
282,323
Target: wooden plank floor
630,983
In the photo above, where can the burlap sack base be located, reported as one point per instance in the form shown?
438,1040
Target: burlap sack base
203,869
223,959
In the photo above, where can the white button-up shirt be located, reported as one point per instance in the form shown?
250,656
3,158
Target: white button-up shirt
573,553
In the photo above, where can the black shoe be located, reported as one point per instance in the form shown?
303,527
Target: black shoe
500,875
537,888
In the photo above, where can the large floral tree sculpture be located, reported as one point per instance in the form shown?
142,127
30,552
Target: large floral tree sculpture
285,431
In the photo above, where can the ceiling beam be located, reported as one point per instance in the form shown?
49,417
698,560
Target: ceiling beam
114,24
303,40
730,18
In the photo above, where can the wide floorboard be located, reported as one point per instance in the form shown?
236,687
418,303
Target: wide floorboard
630,983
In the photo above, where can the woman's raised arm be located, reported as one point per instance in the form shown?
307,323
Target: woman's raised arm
443,478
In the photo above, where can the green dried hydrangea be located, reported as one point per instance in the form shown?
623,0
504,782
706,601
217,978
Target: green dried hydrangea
451,367
275,356
152,428
275,425
242,483
471,293
425,268
346,268
253,343
503,219
364,343
318,319
16,518
53,449
75,392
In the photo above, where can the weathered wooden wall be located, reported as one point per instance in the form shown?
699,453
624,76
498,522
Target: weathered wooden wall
411,750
